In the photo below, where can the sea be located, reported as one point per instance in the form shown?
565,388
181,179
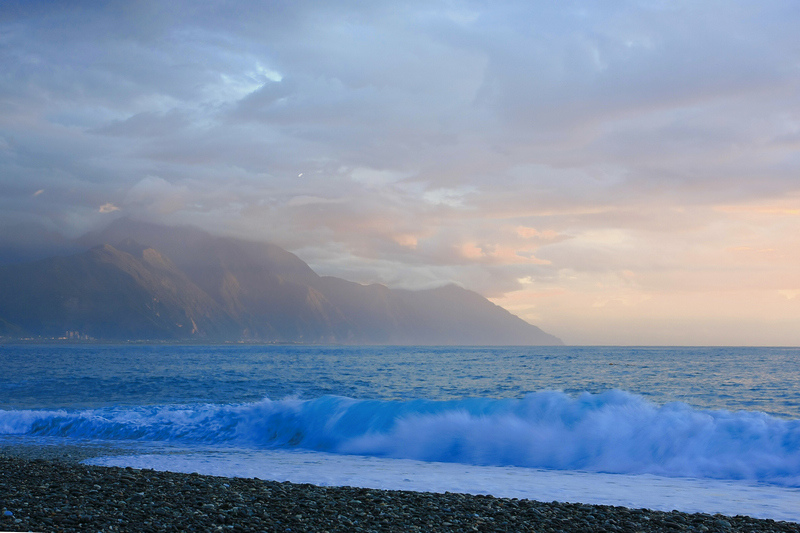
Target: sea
707,429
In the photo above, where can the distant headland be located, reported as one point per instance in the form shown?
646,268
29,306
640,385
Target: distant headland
137,281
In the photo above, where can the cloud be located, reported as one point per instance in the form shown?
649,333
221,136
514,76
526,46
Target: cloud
533,233
416,144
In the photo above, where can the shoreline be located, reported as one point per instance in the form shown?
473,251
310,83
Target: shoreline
46,488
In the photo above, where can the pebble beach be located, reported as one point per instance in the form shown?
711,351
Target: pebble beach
48,489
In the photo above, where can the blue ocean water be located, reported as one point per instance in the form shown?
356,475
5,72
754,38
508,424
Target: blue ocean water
701,413
78,376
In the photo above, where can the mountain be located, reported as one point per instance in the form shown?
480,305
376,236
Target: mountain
147,282
108,294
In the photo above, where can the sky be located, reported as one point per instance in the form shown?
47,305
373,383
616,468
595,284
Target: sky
622,172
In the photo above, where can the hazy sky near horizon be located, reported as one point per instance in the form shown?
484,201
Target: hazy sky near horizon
614,172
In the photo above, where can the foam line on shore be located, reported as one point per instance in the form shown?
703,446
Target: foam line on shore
48,495
646,490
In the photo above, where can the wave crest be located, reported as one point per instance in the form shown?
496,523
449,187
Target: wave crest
613,432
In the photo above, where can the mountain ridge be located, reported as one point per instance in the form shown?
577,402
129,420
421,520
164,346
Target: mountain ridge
160,283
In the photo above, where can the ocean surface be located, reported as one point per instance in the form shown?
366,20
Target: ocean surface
694,429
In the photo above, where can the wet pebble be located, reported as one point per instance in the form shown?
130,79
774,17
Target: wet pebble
44,495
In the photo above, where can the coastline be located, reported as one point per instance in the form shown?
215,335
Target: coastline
46,488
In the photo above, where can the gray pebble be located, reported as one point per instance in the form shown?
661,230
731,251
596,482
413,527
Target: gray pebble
48,495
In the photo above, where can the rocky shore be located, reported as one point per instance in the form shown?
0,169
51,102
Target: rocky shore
59,494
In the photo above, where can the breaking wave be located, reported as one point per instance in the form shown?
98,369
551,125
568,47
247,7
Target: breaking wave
614,432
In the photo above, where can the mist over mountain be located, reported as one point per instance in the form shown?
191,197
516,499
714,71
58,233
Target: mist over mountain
21,242
141,281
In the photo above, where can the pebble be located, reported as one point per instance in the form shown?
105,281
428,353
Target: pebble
49,495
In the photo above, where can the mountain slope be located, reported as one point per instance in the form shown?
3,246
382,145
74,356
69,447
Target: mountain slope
268,291
453,315
182,283
110,294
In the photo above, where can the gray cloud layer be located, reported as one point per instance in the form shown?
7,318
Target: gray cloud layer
492,144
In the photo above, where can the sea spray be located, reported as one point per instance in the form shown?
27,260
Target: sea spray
613,432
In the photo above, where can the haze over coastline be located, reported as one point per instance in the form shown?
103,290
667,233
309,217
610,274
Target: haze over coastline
620,173
186,285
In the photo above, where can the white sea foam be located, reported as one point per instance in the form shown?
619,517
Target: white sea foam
613,432
636,491
192,397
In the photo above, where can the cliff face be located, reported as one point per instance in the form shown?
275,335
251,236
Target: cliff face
185,284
